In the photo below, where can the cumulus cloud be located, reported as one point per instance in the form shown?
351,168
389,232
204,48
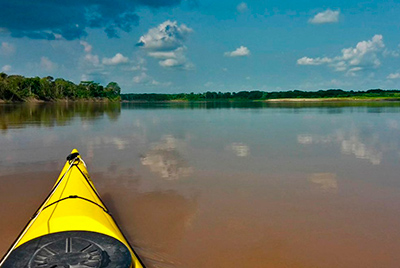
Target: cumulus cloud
242,7
139,64
239,52
88,47
173,59
93,59
393,76
47,64
7,49
313,61
6,68
365,55
327,16
167,36
145,79
166,43
91,65
49,19
116,60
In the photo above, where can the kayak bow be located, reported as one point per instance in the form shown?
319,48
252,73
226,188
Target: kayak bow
72,228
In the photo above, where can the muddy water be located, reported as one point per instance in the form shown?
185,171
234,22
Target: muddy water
220,185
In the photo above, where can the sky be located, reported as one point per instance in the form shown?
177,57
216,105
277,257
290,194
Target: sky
173,46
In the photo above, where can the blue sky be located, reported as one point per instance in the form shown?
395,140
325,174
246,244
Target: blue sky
196,46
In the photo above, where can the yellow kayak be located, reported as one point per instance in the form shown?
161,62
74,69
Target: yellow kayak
72,228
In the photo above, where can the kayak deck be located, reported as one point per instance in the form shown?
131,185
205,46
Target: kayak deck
72,228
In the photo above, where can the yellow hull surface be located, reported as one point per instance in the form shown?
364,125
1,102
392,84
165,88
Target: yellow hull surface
72,228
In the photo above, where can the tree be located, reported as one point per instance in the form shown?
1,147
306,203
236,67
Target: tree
113,90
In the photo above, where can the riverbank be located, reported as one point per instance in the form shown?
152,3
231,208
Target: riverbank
277,100
34,100
383,99
333,99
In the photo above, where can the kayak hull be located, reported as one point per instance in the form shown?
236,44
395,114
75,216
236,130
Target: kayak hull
72,228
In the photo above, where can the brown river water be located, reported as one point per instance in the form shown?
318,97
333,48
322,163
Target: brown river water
220,184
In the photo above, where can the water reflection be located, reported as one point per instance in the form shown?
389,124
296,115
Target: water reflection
239,149
55,114
165,159
332,107
326,182
362,144
62,113
273,186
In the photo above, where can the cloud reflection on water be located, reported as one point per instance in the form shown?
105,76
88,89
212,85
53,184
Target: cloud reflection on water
240,149
352,142
165,159
326,182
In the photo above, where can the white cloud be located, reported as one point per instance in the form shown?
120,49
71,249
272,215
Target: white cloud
162,54
391,53
364,50
176,63
169,63
47,64
327,16
90,60
87,46
93,59
166,43
6,68
313,61
242,7
172,59
393,76
7,49
138,65
116,60
365,55
167,36
239,52
145,79
353,71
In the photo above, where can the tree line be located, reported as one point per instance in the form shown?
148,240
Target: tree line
261,95
20,88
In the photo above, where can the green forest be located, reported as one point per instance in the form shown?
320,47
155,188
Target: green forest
14,88
17,88
262,95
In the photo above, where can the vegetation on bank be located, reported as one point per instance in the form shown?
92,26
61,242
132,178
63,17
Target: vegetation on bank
19,88
262,95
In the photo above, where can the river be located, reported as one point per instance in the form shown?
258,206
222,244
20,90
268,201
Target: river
220,184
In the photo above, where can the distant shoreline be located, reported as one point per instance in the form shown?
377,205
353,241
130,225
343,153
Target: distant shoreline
283,100
384,99
332,99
